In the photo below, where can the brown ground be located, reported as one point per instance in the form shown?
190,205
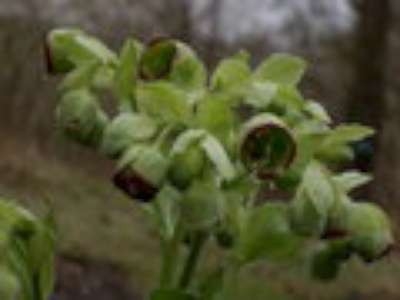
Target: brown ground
79,280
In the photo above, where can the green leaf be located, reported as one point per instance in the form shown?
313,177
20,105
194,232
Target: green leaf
317,111
267,234
351,180
164,102
261,93
165,294
231,73
214,114
188,71
282,69
344,134
335,148
289,98
217,154
125,76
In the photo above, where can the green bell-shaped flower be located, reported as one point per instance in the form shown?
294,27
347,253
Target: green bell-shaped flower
172,60
267,146
125,130
370,230
187,158
80,117
141,172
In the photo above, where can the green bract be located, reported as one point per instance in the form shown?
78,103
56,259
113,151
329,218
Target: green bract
125,130
202,150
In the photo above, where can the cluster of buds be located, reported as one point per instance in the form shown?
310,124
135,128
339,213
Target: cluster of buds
323,209
199,149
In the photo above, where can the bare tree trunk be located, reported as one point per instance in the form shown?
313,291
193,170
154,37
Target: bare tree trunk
214,12
367,103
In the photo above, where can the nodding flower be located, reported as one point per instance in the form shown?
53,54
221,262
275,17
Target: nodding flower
267,146
80,117
141,172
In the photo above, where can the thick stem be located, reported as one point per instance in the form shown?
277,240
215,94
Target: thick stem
192,260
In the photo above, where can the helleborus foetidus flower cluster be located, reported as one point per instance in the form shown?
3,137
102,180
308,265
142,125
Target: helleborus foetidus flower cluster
27,254
198,150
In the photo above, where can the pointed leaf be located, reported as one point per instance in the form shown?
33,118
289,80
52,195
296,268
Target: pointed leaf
231,73
188,71
282,68
164,102
125,76
351,180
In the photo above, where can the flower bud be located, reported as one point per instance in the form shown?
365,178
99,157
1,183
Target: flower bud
141,172
314,200
267,145
326,262
80,117
370,230
173,60
67,48
187,158
125,130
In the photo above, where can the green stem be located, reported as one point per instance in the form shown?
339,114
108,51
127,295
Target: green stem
192,260
170,258
231,280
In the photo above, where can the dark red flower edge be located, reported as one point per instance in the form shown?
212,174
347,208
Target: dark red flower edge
134,185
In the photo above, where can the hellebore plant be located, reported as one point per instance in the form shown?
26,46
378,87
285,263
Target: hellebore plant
200,152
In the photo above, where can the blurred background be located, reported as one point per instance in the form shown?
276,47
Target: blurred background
106,248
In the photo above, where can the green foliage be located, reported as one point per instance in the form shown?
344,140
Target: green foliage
27,254
199,154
